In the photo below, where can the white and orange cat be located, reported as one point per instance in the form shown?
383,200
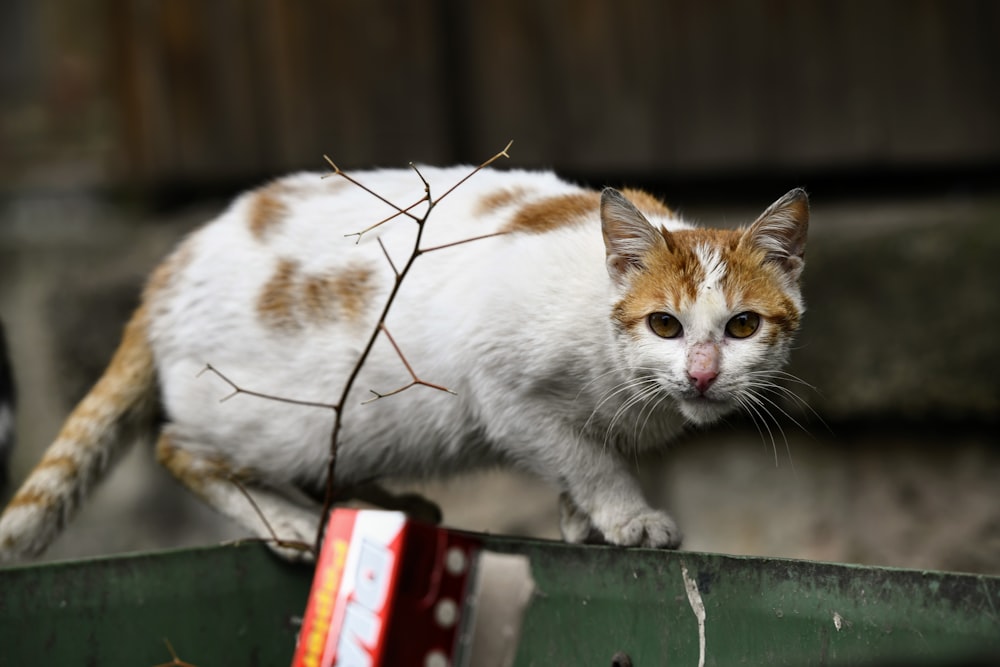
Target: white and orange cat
593,330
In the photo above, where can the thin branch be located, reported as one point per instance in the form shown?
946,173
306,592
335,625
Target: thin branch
288,544
427,186
424,251
388,258
176,661
337,171
337,407
405,211
237,390
390,299
478,169
409,369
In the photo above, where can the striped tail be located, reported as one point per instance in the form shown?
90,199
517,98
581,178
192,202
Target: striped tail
119,407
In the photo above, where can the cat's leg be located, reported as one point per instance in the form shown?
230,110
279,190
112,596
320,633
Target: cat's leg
603,496
575,525
226,490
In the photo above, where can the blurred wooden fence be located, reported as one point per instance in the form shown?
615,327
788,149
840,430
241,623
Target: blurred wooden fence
226,89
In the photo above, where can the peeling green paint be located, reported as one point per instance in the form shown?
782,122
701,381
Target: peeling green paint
238,605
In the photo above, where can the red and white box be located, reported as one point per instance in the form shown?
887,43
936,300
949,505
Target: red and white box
392,591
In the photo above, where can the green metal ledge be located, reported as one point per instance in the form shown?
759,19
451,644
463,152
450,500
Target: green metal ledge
238,605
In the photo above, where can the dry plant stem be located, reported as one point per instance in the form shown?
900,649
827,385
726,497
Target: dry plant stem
175,662
400,276
415,380
237,390
287,544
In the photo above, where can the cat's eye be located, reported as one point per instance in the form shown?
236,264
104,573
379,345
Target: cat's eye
665,325
743,325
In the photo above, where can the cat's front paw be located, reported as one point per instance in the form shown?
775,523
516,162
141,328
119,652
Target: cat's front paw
292,536
575,525
650,528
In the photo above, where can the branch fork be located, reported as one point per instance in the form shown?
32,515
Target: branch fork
400,274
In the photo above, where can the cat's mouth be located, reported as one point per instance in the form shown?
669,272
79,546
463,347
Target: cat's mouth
702,409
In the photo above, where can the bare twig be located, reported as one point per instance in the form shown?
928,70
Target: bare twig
175,662
237,390
390,299
337,171
275,538
388,257
405,211
400,274
409,369
444,246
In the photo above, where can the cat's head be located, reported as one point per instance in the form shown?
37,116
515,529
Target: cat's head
708,314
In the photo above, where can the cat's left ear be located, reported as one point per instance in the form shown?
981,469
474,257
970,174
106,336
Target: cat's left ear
628,235
781,230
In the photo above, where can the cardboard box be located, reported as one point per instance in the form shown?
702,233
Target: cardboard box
391,591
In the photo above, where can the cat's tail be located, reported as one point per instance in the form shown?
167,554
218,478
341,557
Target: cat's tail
120,406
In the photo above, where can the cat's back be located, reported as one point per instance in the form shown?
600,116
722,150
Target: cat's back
300,255
306,227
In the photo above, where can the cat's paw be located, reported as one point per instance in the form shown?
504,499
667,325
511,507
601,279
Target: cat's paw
650,528
575,525
293,536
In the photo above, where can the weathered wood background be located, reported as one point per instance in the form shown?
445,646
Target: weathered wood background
194,91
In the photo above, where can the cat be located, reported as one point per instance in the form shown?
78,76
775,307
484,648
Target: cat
592,329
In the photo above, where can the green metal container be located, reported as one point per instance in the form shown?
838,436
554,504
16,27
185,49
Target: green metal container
239,605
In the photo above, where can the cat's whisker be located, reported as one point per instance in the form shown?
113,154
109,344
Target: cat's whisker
759,380
618,371
785,375
765,414
759,421
662,396
762,403
628,404
753,420
757,389
630,384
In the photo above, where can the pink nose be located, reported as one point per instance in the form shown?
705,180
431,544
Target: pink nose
702,380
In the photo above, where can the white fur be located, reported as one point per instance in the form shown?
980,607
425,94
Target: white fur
518,326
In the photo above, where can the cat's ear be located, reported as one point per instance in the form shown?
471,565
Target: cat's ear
781,230
628,235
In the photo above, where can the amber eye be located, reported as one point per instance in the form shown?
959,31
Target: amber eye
665,325
743,325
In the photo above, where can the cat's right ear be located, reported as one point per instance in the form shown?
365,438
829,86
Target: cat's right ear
628,235
781,231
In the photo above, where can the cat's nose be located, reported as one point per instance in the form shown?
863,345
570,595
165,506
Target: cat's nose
703,365
702,379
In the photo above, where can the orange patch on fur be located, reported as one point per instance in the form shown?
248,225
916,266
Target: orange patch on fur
503,198
67,464
672,274
553,212
267,210
129,382
757,285
31,498
163,278
196,470
647,203
346,293
291,299
277,301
